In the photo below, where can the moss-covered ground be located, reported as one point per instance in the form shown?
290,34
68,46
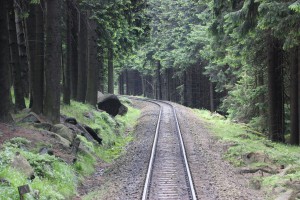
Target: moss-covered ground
54,178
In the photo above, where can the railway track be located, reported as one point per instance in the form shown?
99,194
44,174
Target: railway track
168,175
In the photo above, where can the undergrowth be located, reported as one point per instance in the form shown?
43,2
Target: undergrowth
243,141
55,179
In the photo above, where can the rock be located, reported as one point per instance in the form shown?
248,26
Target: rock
88,115
109,103
71,120
93,133
20,163
31,118
75,145
85,133
256,157
45,126
99,96
64,142
123,110
4,182
45,150
63,131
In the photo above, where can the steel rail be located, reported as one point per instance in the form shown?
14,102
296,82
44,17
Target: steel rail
150,166
190,179
182,147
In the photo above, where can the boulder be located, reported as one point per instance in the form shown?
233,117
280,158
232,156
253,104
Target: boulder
71,120
63,131
93,133
21,164
109,103
31,118
123,110
43,125
62,141
45,150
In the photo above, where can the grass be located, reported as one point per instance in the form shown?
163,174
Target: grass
55,179
246,141
111,130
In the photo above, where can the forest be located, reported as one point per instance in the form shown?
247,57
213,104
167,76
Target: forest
236,57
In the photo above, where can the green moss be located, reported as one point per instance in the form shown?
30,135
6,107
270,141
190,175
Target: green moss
55,179
111,130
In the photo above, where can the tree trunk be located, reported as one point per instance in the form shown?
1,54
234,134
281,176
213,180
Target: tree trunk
30,41
37,70
298,94
159,81
52,61
74,48
22,46
275,89
67,67
15,59
101,70
93,70
82,58
121,83
294,98
110,66
4,64
211,96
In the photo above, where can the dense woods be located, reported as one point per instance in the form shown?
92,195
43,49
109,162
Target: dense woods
237,57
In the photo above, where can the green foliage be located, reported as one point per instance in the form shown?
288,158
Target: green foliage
295,6
85,164
53,178
245,141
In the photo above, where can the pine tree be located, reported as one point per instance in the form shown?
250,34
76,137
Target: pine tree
52,60
4,64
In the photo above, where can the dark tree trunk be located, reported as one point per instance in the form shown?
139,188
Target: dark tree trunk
298,93
275,89
74,49
69,56
22,46
4,64
93,70
82,58
211,97
15,59
121,83
30,42
37,70
294,98
188,87
101,70
159,81
52,61
110,66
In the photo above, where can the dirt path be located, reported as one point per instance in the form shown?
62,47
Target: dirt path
213,177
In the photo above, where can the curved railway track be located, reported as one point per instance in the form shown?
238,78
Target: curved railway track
168,175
